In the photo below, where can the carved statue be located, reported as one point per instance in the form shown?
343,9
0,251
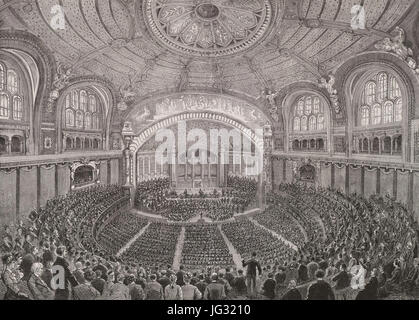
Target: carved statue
396,45
61,80
270,96
329,85
184,78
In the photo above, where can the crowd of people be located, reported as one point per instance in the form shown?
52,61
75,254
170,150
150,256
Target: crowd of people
277,218
156,246
205,246
155,196
247,237
353,248
120,230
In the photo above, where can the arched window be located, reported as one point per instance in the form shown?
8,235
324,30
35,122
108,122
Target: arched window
96,144
296,145
300,108
75,100
308,114
304,126
394,89
370,96
3,145
82,110
382,86
376,145
398,110
4,105
365,144
320,144
316,105
69,116
12,82
11,98
382,94
313,123
387,145
69,143
320,122
16,146
297,124
388,112
2,80
92,104
88,119
17,108
365,116
79,119
309,106
376,114
397,144
83,100
78,143
95,122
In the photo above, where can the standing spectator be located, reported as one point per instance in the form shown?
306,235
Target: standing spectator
173,291
153,289
302,272
118,290
69,279
371,289
343,283
37,287
86,291
215,290
320,290
78,273
253,266
269,287
164,280
201,285
293,293
189,291
179,275
136,292
9,279
98,283
239,284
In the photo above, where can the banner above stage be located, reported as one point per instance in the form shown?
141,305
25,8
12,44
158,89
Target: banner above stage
149,112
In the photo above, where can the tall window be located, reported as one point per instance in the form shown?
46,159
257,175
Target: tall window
308,114
376,114
12,81
17,108
82,111
382,95
365,116
2,80
11,99
4,106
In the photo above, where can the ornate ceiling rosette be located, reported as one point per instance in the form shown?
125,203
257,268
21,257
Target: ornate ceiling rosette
208,28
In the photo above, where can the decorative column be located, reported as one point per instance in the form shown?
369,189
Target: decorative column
127,157
267,159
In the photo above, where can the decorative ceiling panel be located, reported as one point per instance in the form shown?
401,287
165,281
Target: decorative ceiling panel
271,42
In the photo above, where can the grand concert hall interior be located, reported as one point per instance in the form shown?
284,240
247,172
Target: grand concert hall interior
148,136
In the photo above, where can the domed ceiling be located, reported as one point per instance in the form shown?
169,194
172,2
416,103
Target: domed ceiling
208,28
236,46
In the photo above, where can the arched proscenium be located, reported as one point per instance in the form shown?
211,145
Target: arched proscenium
149,132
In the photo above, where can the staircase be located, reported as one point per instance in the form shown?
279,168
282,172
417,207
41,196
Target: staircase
179,248
131,242
237,259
